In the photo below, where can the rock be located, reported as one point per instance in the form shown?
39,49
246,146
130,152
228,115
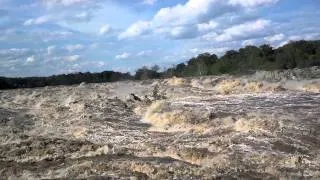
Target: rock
135,98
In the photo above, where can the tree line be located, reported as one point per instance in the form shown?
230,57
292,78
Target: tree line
64,79
298,54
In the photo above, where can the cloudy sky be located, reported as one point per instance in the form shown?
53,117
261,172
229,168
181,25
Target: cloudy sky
45,37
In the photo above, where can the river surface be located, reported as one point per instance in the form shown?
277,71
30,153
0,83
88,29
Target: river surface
196,131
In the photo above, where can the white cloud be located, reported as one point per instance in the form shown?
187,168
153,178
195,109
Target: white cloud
52,3
194,11
218,51
14,57
178,32
144,53
100,64
83,16
13,51
39,20
171,17
72,58
274,38
137,29
251,3
31,59
194,50
105,29
74,47
83,66
178,20
210,36
248,42
54,35
94,45
309,36
282,43
202,27
244,30
183,32
312,36
51,49
124,55
149,2
182,14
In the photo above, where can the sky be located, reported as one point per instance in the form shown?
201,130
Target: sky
46,37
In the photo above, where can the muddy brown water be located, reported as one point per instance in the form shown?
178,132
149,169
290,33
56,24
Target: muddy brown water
90,132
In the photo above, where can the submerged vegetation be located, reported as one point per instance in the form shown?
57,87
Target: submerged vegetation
299,54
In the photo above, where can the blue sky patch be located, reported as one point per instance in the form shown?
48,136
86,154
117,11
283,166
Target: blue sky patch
45,37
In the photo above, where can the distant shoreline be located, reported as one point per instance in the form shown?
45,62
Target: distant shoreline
300,59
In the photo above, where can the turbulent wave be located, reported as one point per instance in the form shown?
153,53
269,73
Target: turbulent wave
186,128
